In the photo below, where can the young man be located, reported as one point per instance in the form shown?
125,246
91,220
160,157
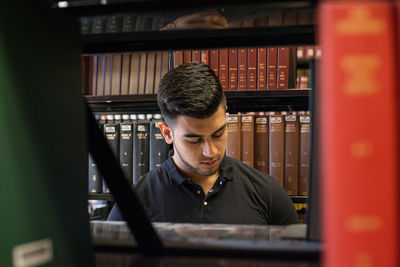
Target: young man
198,183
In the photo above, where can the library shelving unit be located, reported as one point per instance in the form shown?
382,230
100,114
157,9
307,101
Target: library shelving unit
238,101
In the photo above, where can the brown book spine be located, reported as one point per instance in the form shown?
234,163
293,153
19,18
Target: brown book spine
93,64
100,74
107,75
134,74
214,60
283,67
252,68
248,23
272,61
291,177
178,58
116,74
261,146
187,56
125,73
304,152
289,17
164,66
196,56
276,147
84,76
142,72
234,136
205,57
223,69
262,68
275,19
233,69
158,71
248,139
242,69
150,72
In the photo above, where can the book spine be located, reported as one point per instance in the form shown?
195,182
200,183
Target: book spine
205,57
276,147
140,150
95,181
107,74
128,23
262,68
252,68
178,58
116,66
223,69
304,120
261,138
234,129
283,67
196,56
134,74
291,177
359,121
111,132
142,72
272,61
100,75
144,23
242,69
187,56
247,142
214,61
233,69
158,147
150,72
126,150
125,73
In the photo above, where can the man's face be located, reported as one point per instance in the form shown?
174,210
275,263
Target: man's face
199,144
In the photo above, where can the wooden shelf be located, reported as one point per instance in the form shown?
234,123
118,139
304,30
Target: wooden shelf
238,101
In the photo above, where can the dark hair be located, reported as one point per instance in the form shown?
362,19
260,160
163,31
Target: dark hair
191,89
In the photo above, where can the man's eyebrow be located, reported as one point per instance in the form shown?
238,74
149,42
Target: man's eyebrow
191,135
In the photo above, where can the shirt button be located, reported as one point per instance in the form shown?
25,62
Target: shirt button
220,182
198,192
211,190
205,203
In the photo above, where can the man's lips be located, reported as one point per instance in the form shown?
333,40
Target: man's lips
210,163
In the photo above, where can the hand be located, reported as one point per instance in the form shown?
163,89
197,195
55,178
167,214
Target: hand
210,19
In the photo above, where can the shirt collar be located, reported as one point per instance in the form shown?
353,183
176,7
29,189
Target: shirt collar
177,178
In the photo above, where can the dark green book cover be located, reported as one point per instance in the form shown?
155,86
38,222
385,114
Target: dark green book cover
140,149
126,149
43,158
111,132
158,147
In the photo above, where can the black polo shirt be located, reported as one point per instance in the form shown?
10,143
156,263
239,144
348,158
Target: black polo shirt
240,195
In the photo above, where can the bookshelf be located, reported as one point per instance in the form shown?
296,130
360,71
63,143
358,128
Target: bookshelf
238,101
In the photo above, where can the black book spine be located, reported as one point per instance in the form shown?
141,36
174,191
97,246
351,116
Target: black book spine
95,181
158,147
140,150
144,23
86,25
99,24
128,23
111,132
126,150
114,24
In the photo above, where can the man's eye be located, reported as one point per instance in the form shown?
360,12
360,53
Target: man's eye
194,141
218,134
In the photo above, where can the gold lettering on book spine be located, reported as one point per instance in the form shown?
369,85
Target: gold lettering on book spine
363,223
360,72
359,20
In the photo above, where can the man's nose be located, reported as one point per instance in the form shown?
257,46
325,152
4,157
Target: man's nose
209,149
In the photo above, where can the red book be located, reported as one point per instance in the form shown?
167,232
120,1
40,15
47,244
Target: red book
309,52
233,69
205,57
214,60
301,52
272,60
262,68
223,68
283,67
242,71
252,68
187,56
359,134
196,56
178,58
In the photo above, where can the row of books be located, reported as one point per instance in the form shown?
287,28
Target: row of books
244,68
123,74
122,23
136,142
274,143
309,52
138,23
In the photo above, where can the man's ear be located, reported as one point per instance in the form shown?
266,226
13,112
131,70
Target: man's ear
166,131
